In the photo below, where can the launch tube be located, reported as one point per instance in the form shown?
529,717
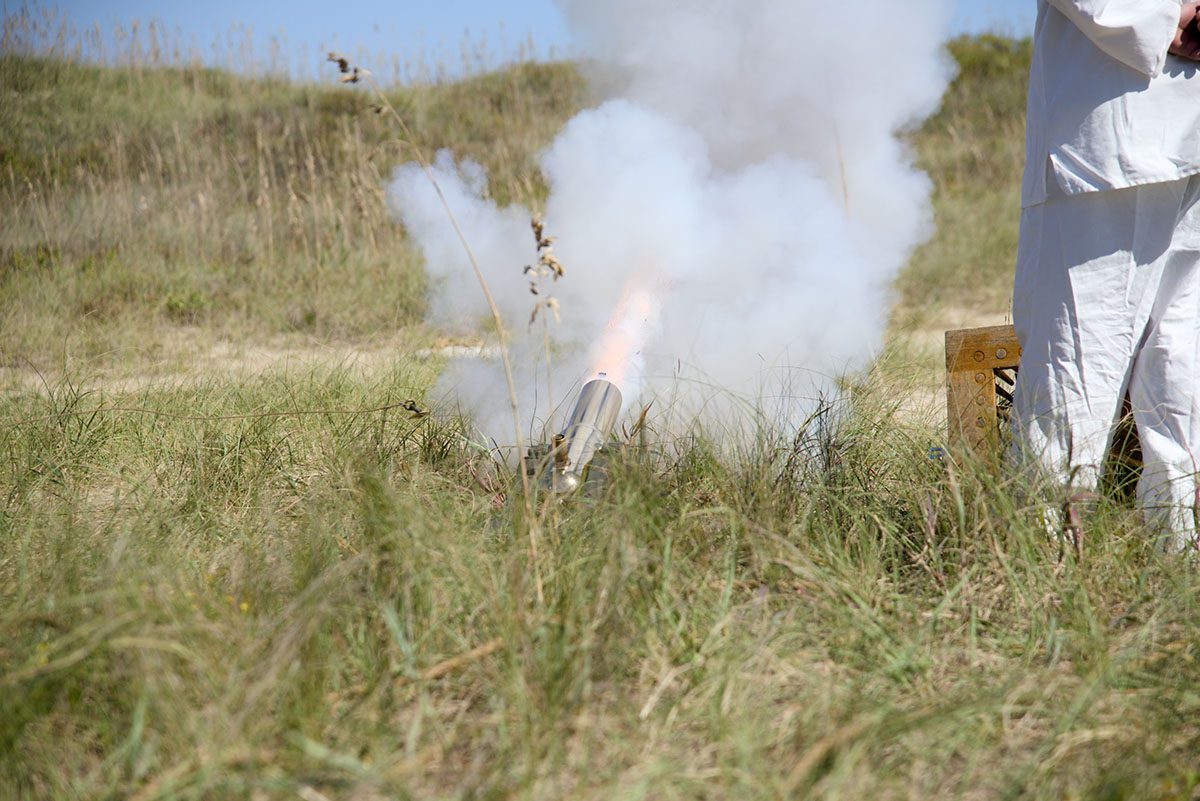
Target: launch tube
590,425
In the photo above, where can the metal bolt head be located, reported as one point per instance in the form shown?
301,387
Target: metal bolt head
1001,353
980,378
979,356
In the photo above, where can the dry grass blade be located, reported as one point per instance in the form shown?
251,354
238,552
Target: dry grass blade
443,669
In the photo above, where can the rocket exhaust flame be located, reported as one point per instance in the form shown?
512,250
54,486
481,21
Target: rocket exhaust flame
617,364
618,357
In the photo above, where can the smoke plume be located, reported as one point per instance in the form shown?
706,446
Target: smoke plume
745,176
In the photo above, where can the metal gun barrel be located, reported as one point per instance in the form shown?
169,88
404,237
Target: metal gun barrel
590,425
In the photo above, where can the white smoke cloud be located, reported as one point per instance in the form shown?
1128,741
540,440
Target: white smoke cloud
747,168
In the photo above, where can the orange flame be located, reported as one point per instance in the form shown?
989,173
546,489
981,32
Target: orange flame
618,353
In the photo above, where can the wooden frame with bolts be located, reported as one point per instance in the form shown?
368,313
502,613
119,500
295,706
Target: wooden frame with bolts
981,366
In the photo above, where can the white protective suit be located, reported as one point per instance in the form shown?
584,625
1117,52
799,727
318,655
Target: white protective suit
1107,294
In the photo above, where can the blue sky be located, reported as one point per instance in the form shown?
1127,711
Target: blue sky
1005,16
413,28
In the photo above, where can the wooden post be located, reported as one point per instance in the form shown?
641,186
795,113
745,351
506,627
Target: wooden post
973,359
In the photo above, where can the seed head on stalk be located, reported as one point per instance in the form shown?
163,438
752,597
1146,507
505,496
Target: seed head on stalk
548,266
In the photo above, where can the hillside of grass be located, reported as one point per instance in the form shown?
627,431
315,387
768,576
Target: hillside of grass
143,205
226,573
974,150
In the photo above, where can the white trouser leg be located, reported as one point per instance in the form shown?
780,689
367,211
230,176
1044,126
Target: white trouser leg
1091,302
1164,394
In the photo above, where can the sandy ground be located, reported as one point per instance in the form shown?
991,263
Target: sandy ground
187,357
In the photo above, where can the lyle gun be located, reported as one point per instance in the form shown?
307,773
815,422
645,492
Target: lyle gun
566,464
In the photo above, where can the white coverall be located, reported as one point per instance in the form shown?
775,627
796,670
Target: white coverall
1107,294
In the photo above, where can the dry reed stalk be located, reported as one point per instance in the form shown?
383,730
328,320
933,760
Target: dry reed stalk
548,266
354,74
263,201
841,159
445,668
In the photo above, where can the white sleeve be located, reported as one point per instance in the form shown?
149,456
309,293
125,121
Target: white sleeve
1138,33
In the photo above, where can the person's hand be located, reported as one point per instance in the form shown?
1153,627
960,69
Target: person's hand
1187,38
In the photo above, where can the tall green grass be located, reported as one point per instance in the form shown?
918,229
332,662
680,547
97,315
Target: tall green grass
974,150
289,585
279,607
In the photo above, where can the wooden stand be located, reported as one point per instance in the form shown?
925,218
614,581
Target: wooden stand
981,365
